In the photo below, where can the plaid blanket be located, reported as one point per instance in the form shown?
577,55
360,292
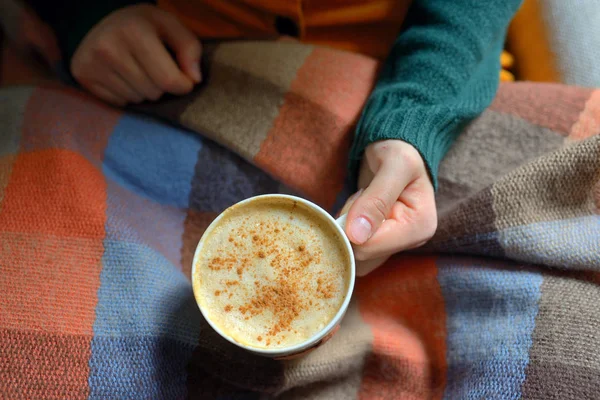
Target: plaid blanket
100,212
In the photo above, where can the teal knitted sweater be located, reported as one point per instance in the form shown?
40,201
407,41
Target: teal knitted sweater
442,71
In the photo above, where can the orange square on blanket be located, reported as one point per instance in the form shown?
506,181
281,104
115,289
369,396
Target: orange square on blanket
51,242
307,146
51,245
403,304
51,232
55,192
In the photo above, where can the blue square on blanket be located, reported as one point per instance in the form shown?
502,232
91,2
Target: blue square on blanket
147,325
152,159
490,318
132,218
567,243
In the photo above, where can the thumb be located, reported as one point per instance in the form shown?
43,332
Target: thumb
375,204
182,41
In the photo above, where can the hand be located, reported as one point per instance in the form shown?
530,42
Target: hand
396,210
124,58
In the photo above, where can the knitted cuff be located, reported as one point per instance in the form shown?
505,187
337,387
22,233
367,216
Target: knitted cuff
431,131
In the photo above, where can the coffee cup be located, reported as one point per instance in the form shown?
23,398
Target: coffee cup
274,275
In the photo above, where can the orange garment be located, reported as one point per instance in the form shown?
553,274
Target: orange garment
528,41
364,26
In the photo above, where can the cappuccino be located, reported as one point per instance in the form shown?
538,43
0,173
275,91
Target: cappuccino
271,273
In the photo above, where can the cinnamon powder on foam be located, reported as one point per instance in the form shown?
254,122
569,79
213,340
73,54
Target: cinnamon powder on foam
297,282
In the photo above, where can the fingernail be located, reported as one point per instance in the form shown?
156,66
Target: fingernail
196,76
360,230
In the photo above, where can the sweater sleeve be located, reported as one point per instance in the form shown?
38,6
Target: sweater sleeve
71,20
442,71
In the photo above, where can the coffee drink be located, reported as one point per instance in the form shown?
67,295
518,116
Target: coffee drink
271,273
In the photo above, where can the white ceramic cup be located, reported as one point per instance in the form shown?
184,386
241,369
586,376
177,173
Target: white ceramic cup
324,334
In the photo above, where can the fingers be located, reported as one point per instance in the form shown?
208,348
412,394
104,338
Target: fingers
184,43
113,82
365,266
122,88
412,222
396,211
106,94
151,53
133,73
99,71
125,57
375,204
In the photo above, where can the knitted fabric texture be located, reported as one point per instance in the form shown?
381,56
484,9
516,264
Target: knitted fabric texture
441,71
101,210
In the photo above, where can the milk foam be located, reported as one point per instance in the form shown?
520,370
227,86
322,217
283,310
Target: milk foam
272,273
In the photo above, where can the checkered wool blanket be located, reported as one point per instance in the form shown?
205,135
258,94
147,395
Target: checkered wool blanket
100,212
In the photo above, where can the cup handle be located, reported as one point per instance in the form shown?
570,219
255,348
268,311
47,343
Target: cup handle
341,221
